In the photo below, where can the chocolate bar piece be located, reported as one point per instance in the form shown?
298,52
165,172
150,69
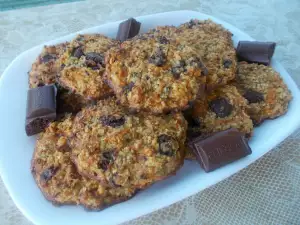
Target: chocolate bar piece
128,29
220,149
255,51
41,108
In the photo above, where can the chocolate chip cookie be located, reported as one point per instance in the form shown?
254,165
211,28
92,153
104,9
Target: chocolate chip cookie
266,93
121,149
58,179
46,67
44,71
214,45
219,110
155,73
83,66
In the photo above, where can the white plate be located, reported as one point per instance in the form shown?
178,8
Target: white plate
16,148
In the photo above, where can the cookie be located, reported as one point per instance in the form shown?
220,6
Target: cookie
84,66
58,179
120,149
154,73
266,93
44,71
45,68
219,110
214,45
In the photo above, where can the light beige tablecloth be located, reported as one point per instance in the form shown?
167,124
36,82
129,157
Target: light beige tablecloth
268,191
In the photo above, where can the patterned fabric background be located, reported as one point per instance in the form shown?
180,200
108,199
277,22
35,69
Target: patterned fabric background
268,191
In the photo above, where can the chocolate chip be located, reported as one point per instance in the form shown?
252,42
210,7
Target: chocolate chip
163,40
221,107
78,52
158,58
112,121
166,146
191,23
47,58
253,96
96,57
227,63
178,69
127,88
80,38
197,62
62,66
91,64
106,159
48,173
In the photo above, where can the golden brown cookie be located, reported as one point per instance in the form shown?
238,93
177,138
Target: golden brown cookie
214,45
58,179
267,95
46,67
222,109
120,149
83,66
155,73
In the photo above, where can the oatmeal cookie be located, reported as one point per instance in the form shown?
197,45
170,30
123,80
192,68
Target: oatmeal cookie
155,73
120,149
219,110
267,95
84,65
214,45
46,67
58,179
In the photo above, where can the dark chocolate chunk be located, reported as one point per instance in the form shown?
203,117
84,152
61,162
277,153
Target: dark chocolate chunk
41,108
197,62
220,149
48,173
46,58
128,29
253,96
106,159
91,64
166,145
178,69
227,63
78,52
127,88
112,121
221,107
191,23
255,51
96,57
163,40
158,58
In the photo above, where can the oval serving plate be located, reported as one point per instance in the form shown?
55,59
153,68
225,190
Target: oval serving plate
16,148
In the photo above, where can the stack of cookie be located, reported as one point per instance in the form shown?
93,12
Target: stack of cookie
127,108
